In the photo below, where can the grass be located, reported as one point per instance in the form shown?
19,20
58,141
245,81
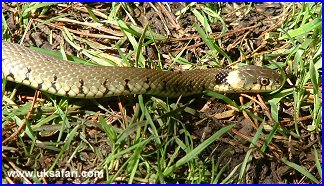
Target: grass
146,139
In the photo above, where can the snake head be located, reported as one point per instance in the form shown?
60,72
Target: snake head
261,79
247,79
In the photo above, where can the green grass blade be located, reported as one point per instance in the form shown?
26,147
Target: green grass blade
195,152
300,169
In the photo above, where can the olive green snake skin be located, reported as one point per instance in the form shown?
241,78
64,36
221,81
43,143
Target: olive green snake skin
46,73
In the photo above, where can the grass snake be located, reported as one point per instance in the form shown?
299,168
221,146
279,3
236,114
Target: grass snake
60,77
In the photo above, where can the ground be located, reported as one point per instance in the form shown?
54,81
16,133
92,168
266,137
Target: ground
208,138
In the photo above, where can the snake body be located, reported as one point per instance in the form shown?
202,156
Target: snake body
56,76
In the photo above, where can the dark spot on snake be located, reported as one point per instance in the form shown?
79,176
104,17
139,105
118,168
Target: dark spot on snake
147,80
53,84
126,87
40,85
148,89
27,74
105,83
11,75
220,77
106,92
164,85
81,91
81,82
190,87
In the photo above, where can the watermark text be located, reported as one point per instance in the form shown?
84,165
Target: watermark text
56,174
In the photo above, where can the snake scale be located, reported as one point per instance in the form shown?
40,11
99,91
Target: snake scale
56,76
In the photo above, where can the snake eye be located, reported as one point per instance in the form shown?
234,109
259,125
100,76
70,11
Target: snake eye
264,81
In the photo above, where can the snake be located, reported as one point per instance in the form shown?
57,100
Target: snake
60,77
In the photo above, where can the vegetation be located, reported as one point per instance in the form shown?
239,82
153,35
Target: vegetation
210,138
